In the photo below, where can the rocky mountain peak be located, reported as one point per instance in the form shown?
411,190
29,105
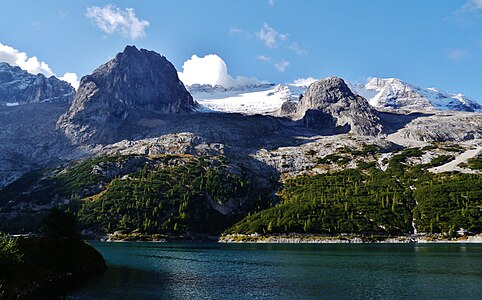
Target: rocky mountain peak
20,87
134,82
330,105
327,90
394,93
139,78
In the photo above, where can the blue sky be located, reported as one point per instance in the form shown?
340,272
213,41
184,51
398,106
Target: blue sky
430,43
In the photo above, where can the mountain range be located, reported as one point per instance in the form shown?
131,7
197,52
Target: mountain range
381,93
397,94
20,87
135,150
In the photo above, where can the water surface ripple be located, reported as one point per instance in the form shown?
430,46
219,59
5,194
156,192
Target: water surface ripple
286,271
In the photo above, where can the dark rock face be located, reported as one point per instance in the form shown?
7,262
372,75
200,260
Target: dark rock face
29,139
20,87
135,82
330,105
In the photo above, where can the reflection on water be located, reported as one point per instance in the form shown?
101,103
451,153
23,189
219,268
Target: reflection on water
257,271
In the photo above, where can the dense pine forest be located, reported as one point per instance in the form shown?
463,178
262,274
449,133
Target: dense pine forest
165,194
175,196
402,199
181,195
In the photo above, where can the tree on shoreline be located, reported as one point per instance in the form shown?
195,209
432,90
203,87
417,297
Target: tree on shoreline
60,224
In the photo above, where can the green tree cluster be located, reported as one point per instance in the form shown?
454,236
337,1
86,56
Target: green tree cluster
368,200
177,196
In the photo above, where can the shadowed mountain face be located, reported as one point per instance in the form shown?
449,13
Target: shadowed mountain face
20,87
133,82
29,139
331,106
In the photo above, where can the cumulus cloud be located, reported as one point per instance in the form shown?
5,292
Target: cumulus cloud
282,65
457,54
304,81
71,78
211,69
270,37
111,19
32,65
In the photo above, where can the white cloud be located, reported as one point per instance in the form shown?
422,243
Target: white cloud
270,37
32,65
271,2
457,54
111,19
211,69
304,81
239,31
472,4
297,49
282,65
263,58
71,78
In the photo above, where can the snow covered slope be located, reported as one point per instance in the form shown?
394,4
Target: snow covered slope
380,92
255,99
395,93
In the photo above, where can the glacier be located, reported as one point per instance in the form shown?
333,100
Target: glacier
382,93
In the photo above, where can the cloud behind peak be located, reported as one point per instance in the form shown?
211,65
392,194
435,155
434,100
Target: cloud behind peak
211,69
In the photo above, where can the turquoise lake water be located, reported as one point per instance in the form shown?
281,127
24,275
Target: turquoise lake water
286,271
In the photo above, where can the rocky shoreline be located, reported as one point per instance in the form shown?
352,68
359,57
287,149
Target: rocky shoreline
295,238
291,238
156,238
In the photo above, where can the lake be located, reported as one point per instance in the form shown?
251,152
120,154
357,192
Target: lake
286,271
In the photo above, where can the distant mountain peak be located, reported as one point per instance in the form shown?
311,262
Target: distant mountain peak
18,87
396,93
330,105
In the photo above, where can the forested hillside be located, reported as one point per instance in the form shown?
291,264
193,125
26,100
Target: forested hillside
185,195
401,200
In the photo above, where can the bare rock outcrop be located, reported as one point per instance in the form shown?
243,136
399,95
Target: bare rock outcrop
330,105
133,84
